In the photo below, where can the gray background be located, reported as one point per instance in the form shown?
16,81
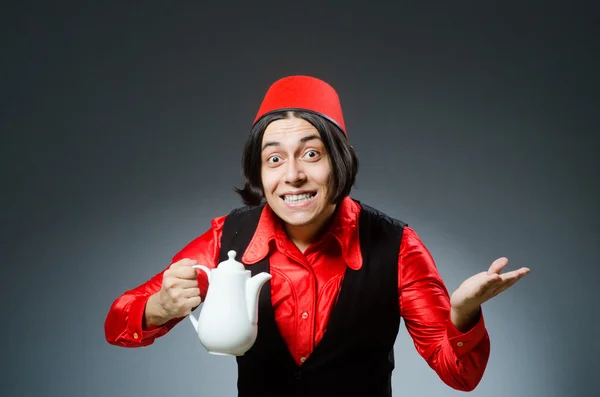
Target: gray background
122,129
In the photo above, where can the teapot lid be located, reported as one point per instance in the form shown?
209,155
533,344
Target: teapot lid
231,263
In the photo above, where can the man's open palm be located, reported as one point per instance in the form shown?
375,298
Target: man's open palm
483,286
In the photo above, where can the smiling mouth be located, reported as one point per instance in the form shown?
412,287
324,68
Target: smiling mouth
298,198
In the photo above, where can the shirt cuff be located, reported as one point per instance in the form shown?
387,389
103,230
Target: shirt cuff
135,331
463,343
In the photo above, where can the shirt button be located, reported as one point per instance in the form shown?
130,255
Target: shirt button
135,335
305,315
459,344
302,359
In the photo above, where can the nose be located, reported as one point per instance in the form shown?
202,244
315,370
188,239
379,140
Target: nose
294,173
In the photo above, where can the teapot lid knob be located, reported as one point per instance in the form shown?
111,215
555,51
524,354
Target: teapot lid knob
231,263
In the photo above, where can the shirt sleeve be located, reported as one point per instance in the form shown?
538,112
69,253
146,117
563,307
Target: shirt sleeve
459,358
124,325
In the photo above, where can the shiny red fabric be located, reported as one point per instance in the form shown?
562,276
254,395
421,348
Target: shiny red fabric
305,285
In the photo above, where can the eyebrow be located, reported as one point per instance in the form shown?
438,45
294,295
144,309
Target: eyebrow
302,140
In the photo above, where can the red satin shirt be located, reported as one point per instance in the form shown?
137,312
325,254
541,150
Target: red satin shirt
304,286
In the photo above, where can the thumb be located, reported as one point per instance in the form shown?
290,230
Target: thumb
497,265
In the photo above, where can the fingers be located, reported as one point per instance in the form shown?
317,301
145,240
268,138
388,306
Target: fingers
193,303
183,269
184,283
508,280
515,274
179,278
180,302
180,292
497,265
184,273
489,281
190,292
502,287
171,281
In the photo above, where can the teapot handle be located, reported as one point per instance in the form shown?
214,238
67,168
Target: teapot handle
191,315
206,270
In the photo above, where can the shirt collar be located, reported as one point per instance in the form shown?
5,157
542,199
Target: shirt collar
270,234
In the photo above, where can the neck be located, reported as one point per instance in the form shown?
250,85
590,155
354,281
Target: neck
303,236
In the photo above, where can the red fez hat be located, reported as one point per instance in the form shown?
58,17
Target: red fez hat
303,93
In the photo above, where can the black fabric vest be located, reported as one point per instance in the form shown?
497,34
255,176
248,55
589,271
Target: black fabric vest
355,356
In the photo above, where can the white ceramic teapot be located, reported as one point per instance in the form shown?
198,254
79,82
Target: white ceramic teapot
227,324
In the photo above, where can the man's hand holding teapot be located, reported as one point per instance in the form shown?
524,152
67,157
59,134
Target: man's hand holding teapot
179,294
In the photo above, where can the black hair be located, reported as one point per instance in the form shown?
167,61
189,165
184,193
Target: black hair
344,161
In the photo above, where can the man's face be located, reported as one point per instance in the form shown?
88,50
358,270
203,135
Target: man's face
295,172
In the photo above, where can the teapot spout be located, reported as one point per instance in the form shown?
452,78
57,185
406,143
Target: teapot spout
253,287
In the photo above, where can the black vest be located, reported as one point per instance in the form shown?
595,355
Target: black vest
355,356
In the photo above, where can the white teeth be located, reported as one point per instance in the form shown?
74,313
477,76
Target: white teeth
297,198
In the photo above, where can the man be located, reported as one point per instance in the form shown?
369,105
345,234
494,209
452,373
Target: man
343,273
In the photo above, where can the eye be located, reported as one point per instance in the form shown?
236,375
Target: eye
312,154
274,159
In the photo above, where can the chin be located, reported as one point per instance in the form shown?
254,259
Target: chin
298,220
295,218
